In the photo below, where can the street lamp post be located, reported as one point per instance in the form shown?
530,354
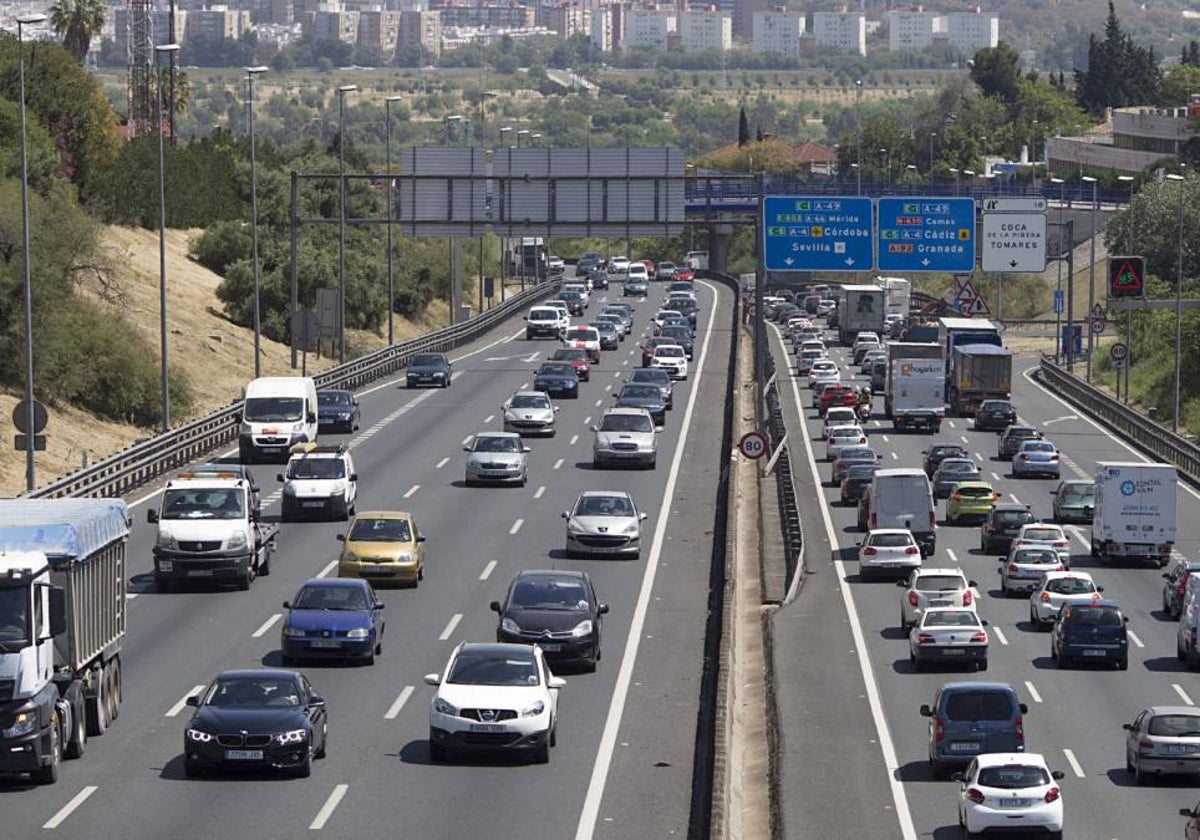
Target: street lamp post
887,165
858,87
932,137
30,475
954,172
1127,179
1062,187
504,133
1178,299
1091,343
387,106
251,72
342,91
524,132
160,51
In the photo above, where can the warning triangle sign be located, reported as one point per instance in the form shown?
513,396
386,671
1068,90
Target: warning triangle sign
1126,280
966,292
974,306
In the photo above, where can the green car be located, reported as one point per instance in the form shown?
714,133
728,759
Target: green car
969,499
1074,501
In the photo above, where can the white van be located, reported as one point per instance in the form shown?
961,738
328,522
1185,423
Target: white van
278,412
902,498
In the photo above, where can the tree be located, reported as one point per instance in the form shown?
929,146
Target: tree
76,21
1119,73
743,128
997,73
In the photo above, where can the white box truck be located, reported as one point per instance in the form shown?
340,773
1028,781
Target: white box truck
278,413
913,387
1134,517
861,311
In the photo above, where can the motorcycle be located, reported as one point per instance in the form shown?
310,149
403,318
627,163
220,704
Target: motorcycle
864,412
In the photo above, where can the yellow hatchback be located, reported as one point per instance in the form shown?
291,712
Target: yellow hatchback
384,547
969,499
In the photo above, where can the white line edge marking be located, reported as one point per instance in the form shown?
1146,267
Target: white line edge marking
412,490
487,570
328,808
398,704
266,625
907,829
1033,692
1133,637
1074,762
516,526
178,707
329,567
66,810
1000,635
590,811
1183,695
450,625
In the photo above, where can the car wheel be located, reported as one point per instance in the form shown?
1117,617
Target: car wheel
554,736
192,769
589,665
286,660
305,769
1123,663
324,741
541,755
1190,660
162,585
1061,661
246,578
903,621
1178,650
1139,778
982,664
369,659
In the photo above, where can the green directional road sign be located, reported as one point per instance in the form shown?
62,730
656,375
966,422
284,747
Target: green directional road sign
1126,277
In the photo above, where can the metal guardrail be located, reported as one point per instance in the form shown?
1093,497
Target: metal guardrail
785,487
145,461
1162,443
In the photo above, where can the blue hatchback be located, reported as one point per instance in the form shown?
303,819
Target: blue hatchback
333,618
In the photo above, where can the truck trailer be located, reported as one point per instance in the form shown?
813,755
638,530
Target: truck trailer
981,372
861,310
913,386
62,619
1134,515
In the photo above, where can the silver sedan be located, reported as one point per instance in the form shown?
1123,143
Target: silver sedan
497,457
604,522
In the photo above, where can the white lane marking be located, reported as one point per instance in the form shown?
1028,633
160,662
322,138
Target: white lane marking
1033,692
328,808
1182,694
907,830
450,625
964,439
467,439
524,386
599,403
953,557
978,456
1000,635
66,810
329,567
895,457
950,423
590,811
885,438
541,491
489,418
995,477
487,570
587,420
412,490
1074,762
1077,533
616,374
516,526
1133,637
179,706
608,387
1013,496
574,440
443,462
266,625
624,362
394,710
558,463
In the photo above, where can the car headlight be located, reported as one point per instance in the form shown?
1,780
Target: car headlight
245,429
348,557
294,632
631,528
443,708
583,628
167,540
343,415
439,375
25,722
574,527
289,489
358,633
534,710
199,736
298,427
404,557
237,540
294,736
509,626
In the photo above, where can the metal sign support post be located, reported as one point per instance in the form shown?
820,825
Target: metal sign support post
760,356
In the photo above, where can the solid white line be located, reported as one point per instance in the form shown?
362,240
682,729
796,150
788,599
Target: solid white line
266,625
1000,635
574,440
1033,692
489,418
412,490
179,707
516,526
604,752
907,830
1074,762
454,619
1182,694
541,491
66,810
558,463
1133,638
953,557
442,463
329,567
398,704
327,809
487,570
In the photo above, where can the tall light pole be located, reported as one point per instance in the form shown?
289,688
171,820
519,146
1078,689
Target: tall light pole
524,132
30,475
251,72
887,165
1127,179
954,172
387,107
342,91
932,137
160,51
1091,342
505,131
1062,189
858,87
1178,299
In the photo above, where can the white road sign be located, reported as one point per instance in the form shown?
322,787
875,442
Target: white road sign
1014,242
1014,205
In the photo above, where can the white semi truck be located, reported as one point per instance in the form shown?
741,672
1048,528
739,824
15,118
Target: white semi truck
1134,515
62,619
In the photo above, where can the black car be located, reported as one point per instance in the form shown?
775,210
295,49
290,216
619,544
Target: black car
599,278
636,288
575,302
264,718
337,411
995,414
610,339
655,376
649,397
951,471
1011,439
1001,526
1093,631
587,264
557,610
858,478
558,379
672,321
688,308
679,335
939,452
428,369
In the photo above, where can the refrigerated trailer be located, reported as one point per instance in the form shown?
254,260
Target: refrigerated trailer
1134,514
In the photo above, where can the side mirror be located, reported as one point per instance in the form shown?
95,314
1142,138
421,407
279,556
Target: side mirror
972,583
1024,709
279,476
354,476
494,606
903,584
287,605
379,605
556,682
602,609
526,449
316,702
1099,588
420,538
340,538
557,409
433,679
1164,574
1057,774
194,700
1125,618
643,516
958,777
1128,727
926,711
1186,812
312,417
152,517
466,449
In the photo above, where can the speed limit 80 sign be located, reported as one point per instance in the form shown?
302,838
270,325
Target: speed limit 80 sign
753,445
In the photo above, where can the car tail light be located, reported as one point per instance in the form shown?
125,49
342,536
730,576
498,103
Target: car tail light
1062,544
939,730
912,549
956,495
991,527
1096,596
1020,730
1182,584
925,639
968,597
1045,596
873,521
831,441
976,796
1145,743
1012,568
1024,456
869,551
913,598
1052,795
932,520
979,637
1060,568
862,440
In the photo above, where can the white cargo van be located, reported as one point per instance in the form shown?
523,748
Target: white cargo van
902,498
1134,514
278,412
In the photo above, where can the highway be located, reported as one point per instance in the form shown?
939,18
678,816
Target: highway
1075,716
626,735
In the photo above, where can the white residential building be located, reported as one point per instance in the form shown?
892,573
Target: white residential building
707,30
778,32
647,28
841,30
913,30
970,32
600,29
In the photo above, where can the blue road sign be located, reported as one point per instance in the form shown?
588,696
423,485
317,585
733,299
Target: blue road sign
926,234
817,233
1060,303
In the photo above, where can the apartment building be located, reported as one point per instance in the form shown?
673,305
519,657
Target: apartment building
778,32
710,29
841,30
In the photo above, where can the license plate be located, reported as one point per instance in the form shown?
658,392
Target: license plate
488,727
325,643
964,746
953,652
200,572
1013,803
270,449
1180,749
312,504
243,755
1094,652
551,648
940,604
374,570
166,565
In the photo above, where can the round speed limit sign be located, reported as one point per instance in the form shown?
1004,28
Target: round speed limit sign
753,445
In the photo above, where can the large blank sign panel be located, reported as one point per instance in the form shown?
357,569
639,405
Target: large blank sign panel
540,192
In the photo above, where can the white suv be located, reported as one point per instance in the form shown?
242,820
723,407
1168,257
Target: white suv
321,480
637,271
543,322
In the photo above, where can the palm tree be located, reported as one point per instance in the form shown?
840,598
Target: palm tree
76,21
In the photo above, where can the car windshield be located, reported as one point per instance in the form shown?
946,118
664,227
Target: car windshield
626,423
305,468
955,465
669,352
1096,616
380,530
203,504
953,618
426,360
331,598
14,614
493,669
556,370
251,692
1070,586
939,583
1175,726
975,492
529,401
1013,777
889,540
604,506
543,315
272,409
333,398
650,375
995,405
1079,493
1012,517
846,431
489,443
979,705
1042,534
1036,556
548,595
650,392
1037,447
